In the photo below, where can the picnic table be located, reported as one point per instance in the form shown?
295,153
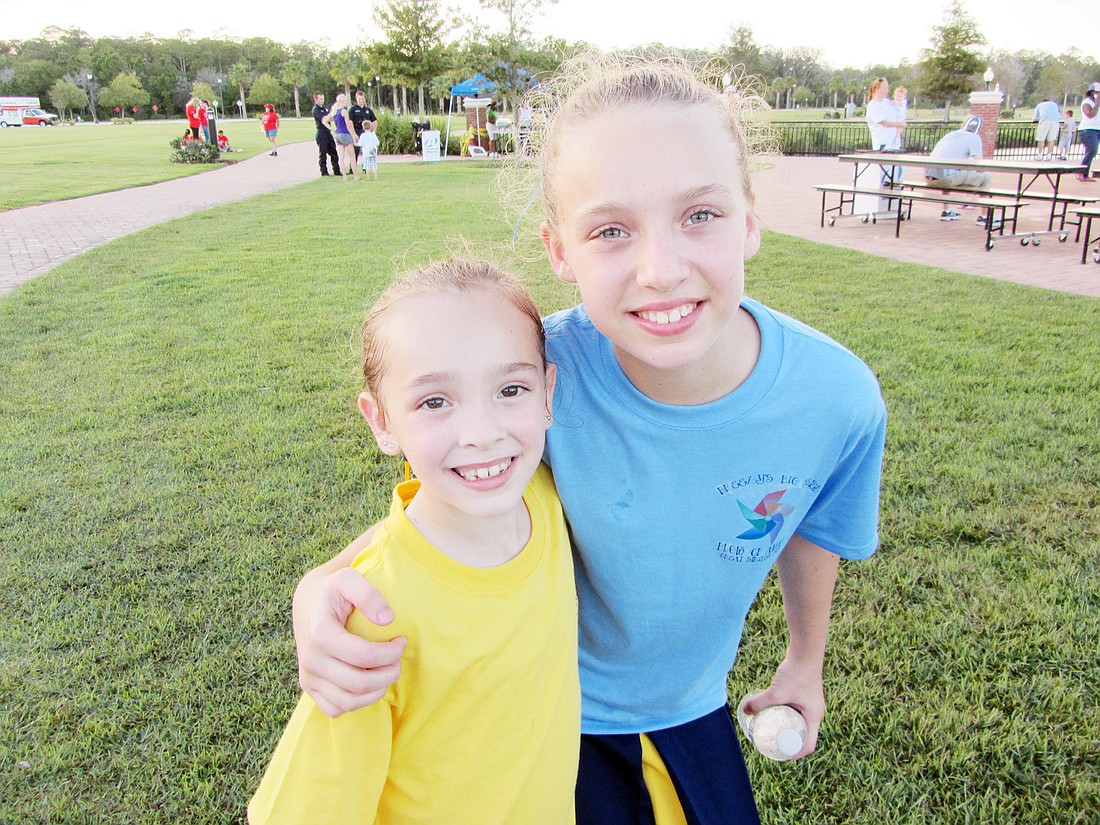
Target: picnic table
1028,174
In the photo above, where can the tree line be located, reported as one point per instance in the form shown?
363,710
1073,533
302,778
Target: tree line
423,51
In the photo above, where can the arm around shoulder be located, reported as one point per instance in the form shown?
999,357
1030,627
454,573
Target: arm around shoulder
339,670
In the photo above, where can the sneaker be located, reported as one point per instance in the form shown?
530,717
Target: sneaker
996,223
1037,157
1084,179
949,215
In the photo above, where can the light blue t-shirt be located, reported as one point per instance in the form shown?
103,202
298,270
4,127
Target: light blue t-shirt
957,145
1047,110
678,513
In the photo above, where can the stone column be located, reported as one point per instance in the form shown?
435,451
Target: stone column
987,106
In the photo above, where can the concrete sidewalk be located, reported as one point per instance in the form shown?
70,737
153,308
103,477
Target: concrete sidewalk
35,239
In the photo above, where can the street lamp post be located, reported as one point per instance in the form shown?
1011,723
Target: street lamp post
91,98
988,77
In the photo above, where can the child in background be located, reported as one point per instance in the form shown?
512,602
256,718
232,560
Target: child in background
1069,133
223,142
901,111
482,727
368,152
269,121
701,438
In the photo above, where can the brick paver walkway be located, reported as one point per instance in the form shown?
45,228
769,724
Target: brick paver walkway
787,202
35,239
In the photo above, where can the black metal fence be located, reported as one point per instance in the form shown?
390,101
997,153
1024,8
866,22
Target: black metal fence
1015,140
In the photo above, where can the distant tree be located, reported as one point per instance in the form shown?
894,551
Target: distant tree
347,68
511,68
241,75
203,91
741,50
414,46
950,66
267,89
1067,75
296,73
66,96
123,92
34,77
1011,75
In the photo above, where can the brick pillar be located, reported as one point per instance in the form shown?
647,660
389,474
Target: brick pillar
987,106
476,119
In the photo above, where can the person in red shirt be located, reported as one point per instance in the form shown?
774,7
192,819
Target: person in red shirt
192,112
204,120
269,120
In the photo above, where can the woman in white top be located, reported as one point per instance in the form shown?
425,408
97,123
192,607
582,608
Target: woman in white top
1089,130
882,117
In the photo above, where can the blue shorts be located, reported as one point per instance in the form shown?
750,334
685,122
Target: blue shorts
270,132
698,776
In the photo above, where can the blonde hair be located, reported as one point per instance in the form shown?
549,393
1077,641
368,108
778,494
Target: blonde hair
592,83
454,275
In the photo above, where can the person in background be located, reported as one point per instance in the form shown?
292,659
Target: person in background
204,120
961,144
1069,133
885,127
326,146
901,113
1089,130
345,135
1046,132
211,123
368,148
192,112
269,121
223,142
362,118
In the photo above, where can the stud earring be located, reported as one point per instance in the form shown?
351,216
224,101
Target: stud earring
549,418
389,445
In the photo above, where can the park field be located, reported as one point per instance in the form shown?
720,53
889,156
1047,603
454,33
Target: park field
43,164
179,443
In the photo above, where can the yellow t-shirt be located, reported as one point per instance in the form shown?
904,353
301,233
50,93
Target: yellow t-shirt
483,725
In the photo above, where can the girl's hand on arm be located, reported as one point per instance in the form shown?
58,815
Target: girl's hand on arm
339,670
807,576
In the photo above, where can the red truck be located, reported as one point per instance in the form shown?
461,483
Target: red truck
24,111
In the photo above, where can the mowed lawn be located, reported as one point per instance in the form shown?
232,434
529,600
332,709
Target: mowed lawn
179,443
43,164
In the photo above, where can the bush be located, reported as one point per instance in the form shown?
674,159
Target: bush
195,151
396,136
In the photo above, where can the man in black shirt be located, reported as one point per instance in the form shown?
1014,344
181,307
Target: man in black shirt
326,145
361,113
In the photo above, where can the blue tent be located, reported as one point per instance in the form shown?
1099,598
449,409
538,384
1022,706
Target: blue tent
474,86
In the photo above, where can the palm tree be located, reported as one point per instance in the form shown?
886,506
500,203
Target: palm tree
241,74
346,68
295,73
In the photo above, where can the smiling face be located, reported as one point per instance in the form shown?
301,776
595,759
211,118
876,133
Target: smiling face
654,227
465,396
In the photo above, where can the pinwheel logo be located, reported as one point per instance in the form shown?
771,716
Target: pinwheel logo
766,517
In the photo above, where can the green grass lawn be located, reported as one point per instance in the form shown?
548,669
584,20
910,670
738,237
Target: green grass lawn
39,165
179,443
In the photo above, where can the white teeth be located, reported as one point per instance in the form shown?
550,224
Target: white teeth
483,472
669,316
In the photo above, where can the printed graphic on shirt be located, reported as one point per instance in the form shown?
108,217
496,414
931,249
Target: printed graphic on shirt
760,529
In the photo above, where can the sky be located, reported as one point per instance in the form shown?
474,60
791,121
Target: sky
861,36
